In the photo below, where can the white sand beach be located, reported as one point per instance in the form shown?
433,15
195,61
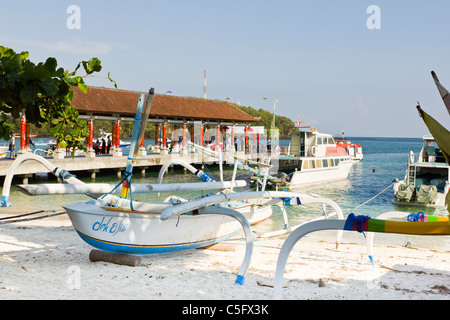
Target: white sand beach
46,259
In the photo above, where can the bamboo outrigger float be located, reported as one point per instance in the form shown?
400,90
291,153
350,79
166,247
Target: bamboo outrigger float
354,223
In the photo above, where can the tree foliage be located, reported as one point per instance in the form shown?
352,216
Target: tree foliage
43,92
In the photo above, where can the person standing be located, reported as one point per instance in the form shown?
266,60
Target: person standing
103,146
108,145
12,154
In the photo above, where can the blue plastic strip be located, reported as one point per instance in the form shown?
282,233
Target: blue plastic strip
240,280
137,124
371,260
4,202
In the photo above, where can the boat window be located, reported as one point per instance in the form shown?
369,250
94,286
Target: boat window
336,162
306,165
325,163
318,164
312,164
330,140
319,140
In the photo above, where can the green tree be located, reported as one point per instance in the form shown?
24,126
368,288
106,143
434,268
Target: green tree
266,118
43,92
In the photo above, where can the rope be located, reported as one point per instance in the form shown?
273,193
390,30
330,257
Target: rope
30,219
416,217
64,174
22,215
370,198
125,177
356,221
206,170
129,190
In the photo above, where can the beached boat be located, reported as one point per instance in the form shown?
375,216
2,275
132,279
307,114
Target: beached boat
313,158
141,231
427,178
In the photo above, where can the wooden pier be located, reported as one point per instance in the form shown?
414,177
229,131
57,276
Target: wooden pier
94,165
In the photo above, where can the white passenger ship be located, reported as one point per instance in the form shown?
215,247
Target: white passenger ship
313,158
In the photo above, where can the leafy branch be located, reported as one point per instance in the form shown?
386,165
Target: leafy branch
44,93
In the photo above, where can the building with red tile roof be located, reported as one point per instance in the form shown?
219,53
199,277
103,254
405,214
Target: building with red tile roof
104,102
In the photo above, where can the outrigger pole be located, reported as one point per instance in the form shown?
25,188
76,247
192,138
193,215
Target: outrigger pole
354,223
140,122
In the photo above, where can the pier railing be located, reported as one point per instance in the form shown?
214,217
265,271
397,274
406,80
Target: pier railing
145,160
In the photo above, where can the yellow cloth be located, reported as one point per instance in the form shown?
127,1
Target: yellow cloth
419,228
447,202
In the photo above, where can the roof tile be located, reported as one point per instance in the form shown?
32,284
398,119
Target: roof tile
105,101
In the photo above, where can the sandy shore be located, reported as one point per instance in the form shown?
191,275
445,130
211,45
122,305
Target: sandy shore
46,259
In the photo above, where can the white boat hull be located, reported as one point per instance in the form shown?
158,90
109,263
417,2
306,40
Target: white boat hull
144,233
323,175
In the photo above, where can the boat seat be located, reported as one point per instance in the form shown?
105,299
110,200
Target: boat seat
439,183
431,151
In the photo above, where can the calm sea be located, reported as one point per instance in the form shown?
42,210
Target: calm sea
384,160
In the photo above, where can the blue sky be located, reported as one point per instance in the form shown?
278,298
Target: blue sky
317,58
